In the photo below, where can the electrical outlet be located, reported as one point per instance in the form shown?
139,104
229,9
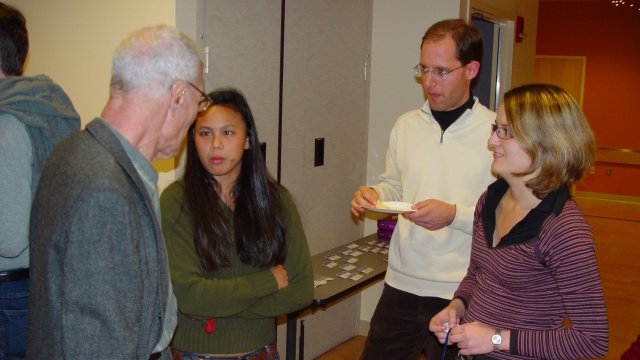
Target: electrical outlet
608,172
318,158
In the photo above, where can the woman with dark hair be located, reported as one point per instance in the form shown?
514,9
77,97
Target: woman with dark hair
532,289
237,251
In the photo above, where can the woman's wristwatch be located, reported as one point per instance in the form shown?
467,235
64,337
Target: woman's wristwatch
496,340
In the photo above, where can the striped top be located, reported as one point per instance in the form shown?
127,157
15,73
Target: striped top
543,271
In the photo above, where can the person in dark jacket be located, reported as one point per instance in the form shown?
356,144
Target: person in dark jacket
100,284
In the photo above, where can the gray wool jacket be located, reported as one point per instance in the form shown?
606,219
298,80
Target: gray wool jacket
99,274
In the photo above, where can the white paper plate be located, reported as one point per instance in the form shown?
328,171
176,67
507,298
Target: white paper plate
392,207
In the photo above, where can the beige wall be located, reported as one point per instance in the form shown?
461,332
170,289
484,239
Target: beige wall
72,42
524,53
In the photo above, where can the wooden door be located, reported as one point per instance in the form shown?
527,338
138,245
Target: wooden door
564,71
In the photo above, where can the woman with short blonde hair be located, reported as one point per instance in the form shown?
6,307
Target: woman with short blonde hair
532,289
552,130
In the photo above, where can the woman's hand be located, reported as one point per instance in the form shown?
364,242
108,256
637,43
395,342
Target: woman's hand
280,273
475,338
446,319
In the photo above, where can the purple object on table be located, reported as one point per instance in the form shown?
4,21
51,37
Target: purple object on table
385,227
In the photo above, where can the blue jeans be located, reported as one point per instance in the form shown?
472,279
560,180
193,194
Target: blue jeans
14,300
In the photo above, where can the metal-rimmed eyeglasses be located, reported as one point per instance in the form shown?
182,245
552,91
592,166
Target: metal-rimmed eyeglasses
440,73
501,131
204,102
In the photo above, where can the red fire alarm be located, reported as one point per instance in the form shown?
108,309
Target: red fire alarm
519,28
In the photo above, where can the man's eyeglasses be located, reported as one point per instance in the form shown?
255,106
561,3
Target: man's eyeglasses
204,102
439,73
502,132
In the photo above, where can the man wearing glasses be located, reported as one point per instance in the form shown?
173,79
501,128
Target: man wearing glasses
438,161
100,286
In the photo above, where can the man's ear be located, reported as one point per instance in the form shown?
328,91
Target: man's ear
178,92
473,69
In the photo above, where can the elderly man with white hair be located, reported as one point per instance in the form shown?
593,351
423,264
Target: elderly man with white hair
100,285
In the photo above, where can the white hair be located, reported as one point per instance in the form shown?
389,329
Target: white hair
153,59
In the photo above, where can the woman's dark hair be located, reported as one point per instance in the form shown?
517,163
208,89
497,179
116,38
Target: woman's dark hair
258,219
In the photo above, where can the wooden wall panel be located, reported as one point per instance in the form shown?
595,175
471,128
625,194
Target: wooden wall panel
564,71
616,227
606,35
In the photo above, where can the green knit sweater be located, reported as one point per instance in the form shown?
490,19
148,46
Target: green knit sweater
243,299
